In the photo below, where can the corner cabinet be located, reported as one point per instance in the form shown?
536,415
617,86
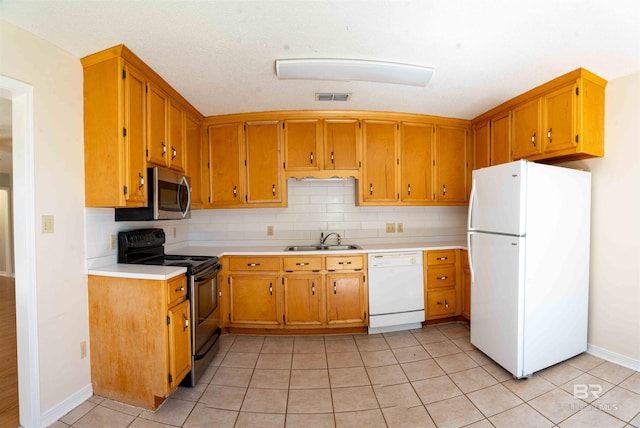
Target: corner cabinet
140,335
133,120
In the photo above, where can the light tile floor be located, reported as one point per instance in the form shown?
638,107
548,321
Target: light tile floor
420,378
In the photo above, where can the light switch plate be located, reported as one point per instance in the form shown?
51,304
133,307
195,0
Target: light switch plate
400,227
47,224
269,230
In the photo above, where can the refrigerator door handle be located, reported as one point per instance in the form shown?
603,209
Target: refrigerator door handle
471,199
469,256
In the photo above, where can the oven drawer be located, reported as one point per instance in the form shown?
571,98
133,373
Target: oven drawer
253,263
176,289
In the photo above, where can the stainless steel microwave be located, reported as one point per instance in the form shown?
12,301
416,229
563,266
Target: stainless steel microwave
168,198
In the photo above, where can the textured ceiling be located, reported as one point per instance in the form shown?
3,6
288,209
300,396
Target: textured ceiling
220,54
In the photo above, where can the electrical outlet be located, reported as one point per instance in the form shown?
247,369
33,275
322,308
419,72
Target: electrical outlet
112,242
399,227
269,230
47,224
391,227
83,349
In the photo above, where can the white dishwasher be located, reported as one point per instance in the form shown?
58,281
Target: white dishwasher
396,291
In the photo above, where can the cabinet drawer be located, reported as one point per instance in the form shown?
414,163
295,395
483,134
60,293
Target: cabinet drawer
290,264
251,263
176,289
444,257
344,263
438,277
441,303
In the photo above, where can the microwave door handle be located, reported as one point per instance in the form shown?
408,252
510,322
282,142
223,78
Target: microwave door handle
185,183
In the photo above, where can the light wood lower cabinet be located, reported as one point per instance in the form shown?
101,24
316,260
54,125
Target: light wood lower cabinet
140,338
442,295
294,292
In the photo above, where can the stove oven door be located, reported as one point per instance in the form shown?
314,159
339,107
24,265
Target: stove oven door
205,313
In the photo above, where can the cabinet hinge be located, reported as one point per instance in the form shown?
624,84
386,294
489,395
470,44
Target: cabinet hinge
577,91
229,280
229,316
208,165
283,279
359,124
282,125
170,378
168,320
207,131
124,132
434,162
398,126
365,315
245,127
209,199
246,198
284,165
576,138
360,164
283,321
364,278
146,152
397,161
245,162
125,190
146,89
124,73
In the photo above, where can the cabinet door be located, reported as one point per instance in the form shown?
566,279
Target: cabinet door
450,163
176,138
525,129
500,139
179,343
263,162
157,106
225,169
302,300
302,140
380,162
193,166
416,142
346,299
558,119
341,148
254,299
481,152
135,145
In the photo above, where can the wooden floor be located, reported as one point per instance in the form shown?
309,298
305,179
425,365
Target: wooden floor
9,416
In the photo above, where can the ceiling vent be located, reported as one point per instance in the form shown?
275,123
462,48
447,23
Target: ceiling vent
333,96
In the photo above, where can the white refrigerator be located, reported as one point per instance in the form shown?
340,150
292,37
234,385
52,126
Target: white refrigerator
528,241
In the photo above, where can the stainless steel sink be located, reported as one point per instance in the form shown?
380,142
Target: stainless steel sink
322,247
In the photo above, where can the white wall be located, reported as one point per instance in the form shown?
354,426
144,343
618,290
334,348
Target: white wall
614,301
313,207
61,284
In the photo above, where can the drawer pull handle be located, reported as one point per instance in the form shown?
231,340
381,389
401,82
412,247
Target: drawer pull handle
273,189
344,263
186,322
311,158
444,189
270,289
179,289
441,278
335,290
253,264
332,158
141,181
175,153
409,189
549,135
302,264
442,258
164,148
235,191
446,304
313,288
533,139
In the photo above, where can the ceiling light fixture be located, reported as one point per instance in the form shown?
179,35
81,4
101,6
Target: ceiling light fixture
353,69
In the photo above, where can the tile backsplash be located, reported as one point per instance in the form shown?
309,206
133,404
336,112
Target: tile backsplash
313,207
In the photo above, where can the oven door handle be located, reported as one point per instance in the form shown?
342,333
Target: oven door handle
209,273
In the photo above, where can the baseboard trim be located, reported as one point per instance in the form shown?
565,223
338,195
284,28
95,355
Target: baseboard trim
52,415
614,357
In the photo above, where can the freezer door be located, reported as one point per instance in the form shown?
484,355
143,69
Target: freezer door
498,199
497,298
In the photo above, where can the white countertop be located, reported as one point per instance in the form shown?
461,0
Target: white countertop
167,272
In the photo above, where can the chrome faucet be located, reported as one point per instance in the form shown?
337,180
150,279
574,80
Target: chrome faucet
324,238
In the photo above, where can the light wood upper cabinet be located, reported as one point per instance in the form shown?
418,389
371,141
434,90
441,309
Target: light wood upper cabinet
195,155
526,134
451,164
264,160
303,144
416,145
114,134
341,144
558,121
226,165
500,139
157,112
177,129
482,148
380,171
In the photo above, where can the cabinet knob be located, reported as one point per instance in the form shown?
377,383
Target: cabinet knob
179,289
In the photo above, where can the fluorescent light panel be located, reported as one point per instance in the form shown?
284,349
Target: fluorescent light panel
353,69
